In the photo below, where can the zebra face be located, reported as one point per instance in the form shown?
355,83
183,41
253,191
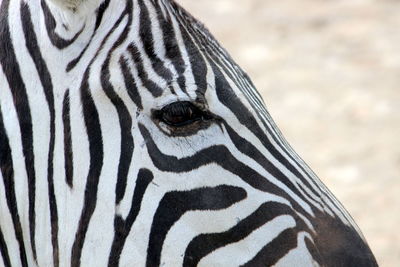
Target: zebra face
129,137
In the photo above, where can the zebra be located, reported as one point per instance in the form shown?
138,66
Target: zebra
130,137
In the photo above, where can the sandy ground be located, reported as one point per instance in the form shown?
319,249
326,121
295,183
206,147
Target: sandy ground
329,71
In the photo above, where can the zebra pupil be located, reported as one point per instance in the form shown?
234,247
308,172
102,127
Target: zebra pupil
179,114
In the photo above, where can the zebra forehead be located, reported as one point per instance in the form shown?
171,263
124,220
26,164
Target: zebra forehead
161,33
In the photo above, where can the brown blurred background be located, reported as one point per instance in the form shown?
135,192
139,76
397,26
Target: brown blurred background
329,72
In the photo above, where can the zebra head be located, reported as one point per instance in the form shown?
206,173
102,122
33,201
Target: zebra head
128,136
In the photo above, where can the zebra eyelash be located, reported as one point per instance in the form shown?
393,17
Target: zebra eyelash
183,118
181,114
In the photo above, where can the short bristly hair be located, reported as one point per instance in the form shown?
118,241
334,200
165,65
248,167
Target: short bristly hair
77,5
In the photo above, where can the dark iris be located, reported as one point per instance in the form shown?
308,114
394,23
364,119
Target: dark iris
180,114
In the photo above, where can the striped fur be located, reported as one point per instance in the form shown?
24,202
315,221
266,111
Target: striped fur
92,174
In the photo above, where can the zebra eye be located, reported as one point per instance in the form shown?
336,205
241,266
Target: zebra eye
180,114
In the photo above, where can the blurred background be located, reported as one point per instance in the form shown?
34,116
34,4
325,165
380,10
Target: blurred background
329,72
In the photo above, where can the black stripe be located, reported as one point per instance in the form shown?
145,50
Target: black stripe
198,65
271,253
7,171
151,86
4,250
195,44
45,78
100,13
125,122
130,84
204,244
68,154
51,25
93,129
71,65
172,50
123,227
146,35
174,204
12,72
172,47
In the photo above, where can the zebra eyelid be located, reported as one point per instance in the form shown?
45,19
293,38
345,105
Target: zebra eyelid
181,114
